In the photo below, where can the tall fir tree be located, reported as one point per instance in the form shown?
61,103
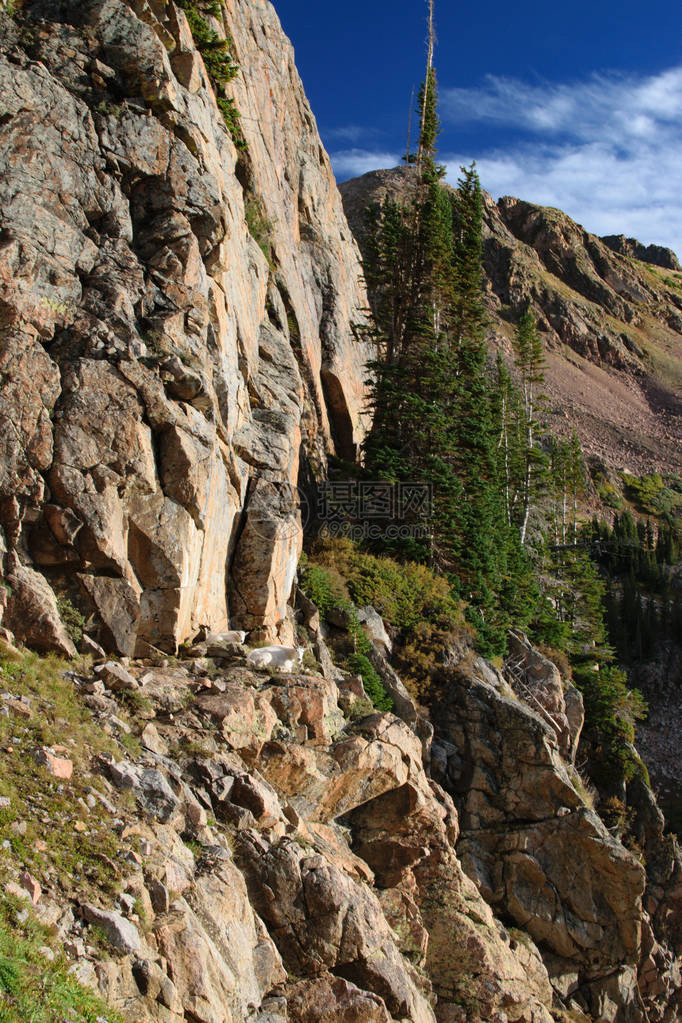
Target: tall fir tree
434,417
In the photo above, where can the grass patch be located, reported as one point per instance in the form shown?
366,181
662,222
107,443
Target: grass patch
36,988
39,823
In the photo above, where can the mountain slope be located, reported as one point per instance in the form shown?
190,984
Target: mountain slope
206,842
611,324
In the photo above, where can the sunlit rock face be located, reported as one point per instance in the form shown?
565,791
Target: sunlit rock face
163,381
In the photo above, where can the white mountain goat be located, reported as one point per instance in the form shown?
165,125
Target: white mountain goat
225,638
281,658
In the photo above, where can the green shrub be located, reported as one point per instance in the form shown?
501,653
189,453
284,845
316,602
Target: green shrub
324,586
228,109
644,492
404,593
374,687
217,60
259,225
611,710
360,709
74,621
609,496
417,604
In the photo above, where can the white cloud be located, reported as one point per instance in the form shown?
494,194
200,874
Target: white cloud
351,163
607,150
350,133
619,108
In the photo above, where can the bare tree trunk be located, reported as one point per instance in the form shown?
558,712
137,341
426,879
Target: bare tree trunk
409,129
528,393
429,65
504,441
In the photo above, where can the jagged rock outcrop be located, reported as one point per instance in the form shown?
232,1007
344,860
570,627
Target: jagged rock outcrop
279,861
656,254
542,857
163,382
537,852
611,322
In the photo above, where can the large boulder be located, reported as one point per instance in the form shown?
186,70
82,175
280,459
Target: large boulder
539,855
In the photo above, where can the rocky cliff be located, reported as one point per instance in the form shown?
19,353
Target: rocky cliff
235,845
206,842
165,382
611,322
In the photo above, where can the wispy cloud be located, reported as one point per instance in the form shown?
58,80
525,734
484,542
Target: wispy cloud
619,108
607,150
351,163
352,134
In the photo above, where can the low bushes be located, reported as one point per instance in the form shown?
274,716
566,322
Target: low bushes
417,605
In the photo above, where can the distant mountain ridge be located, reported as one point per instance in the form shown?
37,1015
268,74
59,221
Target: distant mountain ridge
611,322
659,255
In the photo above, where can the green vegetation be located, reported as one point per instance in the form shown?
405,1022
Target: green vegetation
418,605
523,463
217,60
37,801
35,987
39,987
504,536
371,680
46,830
572,617
259,225
434,417
74,621
643,600
653,495
611,710
325,586
405,594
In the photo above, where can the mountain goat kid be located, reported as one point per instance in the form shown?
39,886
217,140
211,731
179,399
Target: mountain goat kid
216,638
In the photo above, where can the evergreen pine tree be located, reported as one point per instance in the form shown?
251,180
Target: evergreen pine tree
434,417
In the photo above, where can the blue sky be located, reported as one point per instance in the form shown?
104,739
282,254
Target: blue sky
572,104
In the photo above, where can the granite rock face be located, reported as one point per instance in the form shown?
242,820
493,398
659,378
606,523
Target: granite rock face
164,383
296,864
289,856
607,930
